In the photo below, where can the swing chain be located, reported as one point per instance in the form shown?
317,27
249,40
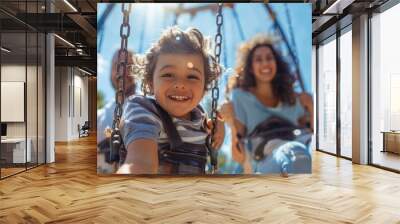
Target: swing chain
215,89
122,63
116,139
293,44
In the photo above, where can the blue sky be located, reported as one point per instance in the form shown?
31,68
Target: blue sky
149,19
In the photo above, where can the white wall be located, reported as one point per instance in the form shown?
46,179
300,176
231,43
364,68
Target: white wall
61,103
12,73
16,73
70,84
81,89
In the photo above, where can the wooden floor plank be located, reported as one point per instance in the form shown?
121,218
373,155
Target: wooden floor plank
70,191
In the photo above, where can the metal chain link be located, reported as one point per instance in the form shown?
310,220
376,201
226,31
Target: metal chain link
291,33
215,89
122,63
116,145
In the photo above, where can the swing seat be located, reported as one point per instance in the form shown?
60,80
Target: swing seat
276,145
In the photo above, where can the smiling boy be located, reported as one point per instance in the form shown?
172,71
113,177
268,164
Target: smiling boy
167,133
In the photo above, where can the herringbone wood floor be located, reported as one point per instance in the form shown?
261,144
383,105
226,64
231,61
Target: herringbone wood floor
70,191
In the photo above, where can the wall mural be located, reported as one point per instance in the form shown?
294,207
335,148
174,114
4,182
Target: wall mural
204,88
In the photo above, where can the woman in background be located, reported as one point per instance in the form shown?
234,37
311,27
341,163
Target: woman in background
262,90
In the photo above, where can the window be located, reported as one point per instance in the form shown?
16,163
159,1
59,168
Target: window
385,88
22,65
346,94
327,96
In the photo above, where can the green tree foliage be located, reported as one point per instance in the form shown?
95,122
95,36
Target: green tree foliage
100,99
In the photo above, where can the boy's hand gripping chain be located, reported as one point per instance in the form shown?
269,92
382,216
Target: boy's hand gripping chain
116,145
215,89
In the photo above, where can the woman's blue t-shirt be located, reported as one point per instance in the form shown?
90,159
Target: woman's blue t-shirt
251,112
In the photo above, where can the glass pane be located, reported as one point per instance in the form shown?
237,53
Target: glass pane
327,97
31,98
13,86
386,89
346,94
23,83
41,99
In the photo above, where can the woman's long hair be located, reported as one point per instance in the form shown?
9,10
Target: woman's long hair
282,84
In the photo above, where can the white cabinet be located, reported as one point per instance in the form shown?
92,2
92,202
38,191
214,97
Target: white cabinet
18,149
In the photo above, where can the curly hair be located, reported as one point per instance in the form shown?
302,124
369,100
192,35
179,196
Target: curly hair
174,40
282,84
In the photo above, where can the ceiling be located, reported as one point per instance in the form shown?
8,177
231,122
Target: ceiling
72,20
330,14
75,21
